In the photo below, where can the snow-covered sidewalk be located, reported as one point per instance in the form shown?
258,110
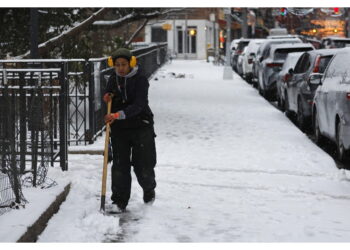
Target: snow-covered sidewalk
231,167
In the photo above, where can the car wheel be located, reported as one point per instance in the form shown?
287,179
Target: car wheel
318,136
282,104
300,116
286,107
259,88
341,152
279,103
248,78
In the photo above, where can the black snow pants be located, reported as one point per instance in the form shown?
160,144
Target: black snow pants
132,147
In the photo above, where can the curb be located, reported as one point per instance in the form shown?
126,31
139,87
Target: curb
40,224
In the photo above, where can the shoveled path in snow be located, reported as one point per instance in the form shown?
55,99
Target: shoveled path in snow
230,168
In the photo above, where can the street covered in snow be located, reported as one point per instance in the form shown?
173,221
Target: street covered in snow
230,168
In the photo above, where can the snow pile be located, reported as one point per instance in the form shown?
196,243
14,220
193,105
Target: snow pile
16,222
166,74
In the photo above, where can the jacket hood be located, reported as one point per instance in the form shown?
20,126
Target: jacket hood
131,73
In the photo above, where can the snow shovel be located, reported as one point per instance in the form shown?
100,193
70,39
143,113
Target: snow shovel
105,161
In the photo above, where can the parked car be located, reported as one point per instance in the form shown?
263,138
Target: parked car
331,107
239,49
240,62
263,52
248,58
284,77
299,91
233,45
271,64
335,42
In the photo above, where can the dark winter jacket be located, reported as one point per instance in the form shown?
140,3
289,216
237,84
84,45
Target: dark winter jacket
131,98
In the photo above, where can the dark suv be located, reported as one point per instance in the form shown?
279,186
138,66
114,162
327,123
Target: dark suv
299,92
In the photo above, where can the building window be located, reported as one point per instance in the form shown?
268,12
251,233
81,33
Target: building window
158,35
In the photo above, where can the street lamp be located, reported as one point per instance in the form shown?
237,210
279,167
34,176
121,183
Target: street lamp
227,68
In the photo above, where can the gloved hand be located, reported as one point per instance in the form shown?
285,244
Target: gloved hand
111,117
107,97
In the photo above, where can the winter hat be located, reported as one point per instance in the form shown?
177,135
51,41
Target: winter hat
123,53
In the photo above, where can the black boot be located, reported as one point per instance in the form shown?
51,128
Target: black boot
121,205
149,196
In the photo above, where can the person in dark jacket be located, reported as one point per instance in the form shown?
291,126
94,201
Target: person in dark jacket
132,130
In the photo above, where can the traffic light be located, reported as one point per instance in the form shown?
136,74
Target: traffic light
336,10
283,11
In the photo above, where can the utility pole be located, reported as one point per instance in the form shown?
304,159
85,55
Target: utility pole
34,33
186,37
227,68
347,11
244,23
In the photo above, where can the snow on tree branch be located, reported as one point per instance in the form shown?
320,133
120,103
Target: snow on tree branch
115,22
134,16
53,42
137,32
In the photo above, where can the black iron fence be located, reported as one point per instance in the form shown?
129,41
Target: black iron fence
46,105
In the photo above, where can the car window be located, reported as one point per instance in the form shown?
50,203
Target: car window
242,45
281,54
323,63
266,52
341,43
338,68
303,64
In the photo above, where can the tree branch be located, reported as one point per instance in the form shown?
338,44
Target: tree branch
55,41
134,17
136,32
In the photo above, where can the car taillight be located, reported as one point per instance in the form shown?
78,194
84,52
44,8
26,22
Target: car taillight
272,65
286,77
317,65
238,52
250,61
348,96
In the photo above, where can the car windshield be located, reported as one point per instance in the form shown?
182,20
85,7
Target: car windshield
281,54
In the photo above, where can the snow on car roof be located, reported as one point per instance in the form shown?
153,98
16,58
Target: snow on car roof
324,52
336,38
291,45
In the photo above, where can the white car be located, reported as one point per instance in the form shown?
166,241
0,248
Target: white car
233,47
248,58
331,104
272,64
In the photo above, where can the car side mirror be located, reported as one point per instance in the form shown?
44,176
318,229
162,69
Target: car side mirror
315,79
291,71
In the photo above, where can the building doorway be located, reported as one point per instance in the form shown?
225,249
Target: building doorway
187,42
